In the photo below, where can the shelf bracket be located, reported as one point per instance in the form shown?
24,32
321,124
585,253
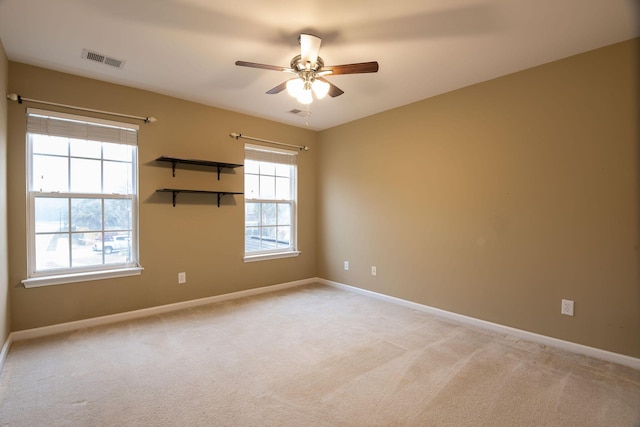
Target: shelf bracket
175,193
220,197
173,168
219,169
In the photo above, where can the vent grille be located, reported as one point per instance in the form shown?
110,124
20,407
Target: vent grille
103,59
113,62
95,57
300,112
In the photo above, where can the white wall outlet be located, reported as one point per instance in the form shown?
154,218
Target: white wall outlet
374,271
346,265
567,307
182,277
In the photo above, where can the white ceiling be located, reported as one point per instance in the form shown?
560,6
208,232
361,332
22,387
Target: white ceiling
187,48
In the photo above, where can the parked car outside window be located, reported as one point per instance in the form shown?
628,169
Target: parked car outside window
115,243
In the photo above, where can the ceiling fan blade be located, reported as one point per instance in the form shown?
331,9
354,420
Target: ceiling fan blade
264,66
282,86
309,48
362,67
333,89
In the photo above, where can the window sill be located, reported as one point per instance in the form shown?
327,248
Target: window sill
35,282
265,257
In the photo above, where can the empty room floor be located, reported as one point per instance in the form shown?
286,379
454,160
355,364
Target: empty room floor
312,355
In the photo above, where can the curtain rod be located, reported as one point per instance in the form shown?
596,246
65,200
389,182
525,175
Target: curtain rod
239,135
15,97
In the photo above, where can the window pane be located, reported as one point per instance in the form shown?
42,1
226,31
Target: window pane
120,152
85,176
117,214
251,186
50,173
267,168
116,247
251,166
82,253
268,235
51,214
84,148
43,144
284,214
284,237
52,251
283,170
269,214
252,239
86,214
283,189
117,178
267,187
252,214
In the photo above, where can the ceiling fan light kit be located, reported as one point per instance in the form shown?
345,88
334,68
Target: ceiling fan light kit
302,89
310,70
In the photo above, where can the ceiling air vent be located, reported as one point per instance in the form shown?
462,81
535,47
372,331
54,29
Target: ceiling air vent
300,113
103,59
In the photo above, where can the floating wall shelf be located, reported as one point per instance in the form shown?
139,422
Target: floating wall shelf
176,160
176,191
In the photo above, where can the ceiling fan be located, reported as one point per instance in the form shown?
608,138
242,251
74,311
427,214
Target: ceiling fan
309,71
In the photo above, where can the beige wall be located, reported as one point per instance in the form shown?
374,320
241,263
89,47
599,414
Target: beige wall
5,325
196,236
498,200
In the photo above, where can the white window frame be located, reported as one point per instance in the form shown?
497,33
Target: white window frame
275,155
118,132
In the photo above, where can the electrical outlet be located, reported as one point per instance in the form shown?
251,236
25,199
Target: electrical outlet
346,265
567,307
182,277
374,271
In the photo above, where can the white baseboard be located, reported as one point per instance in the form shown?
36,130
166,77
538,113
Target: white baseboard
597,353
5,350
608,356
145,312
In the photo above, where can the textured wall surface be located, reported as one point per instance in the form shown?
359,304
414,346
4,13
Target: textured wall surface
195,237
498,200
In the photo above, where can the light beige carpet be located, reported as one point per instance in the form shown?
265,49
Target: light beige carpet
309,356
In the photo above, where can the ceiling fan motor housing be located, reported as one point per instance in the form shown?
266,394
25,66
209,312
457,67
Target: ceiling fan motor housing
307,71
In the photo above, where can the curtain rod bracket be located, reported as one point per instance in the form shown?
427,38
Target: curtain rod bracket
237,136
16,97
